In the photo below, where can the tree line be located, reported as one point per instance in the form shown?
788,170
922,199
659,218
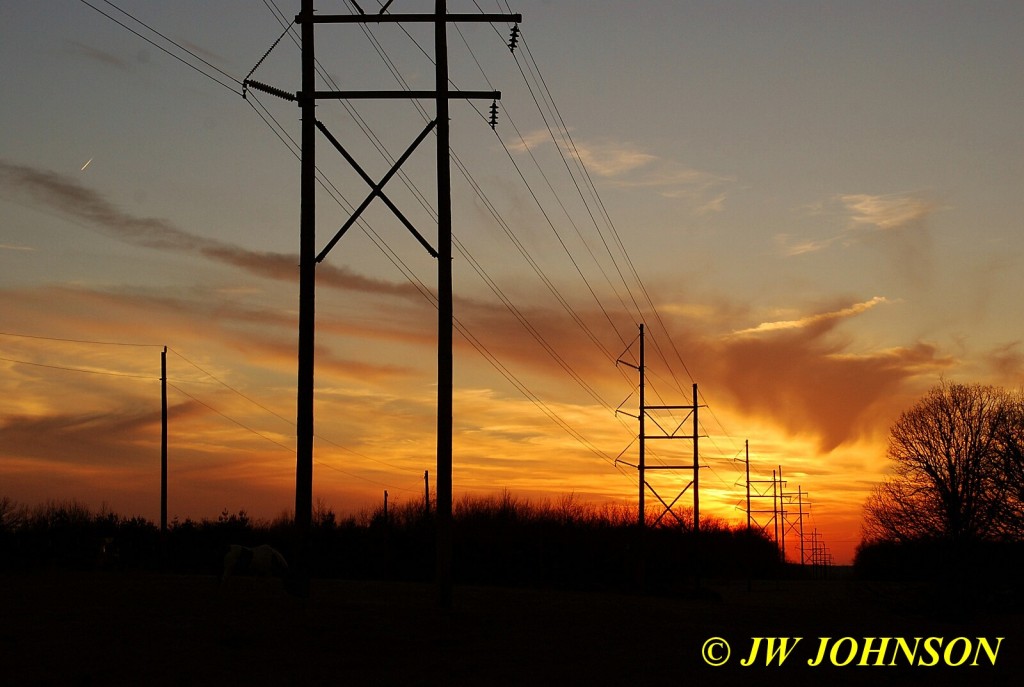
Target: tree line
502,540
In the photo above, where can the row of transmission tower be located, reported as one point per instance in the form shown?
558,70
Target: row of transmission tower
660,422
785,518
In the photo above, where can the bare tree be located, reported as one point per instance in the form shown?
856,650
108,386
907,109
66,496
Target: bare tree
949,453
13,516
1011,472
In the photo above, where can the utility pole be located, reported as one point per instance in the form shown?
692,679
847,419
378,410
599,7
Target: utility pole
782,515
426,492
163,443
696,467
800,503
749,543
304,425
775,505
445,376
308,257
759,489
642,462
746,445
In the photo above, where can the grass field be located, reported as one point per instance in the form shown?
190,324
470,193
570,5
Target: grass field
147,629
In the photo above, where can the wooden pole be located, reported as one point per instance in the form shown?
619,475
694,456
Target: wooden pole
696,465
642,462
444,312
746,445
307,303
163,442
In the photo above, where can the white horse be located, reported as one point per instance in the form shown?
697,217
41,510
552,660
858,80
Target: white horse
258,561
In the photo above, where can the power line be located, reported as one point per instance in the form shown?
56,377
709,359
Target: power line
229,418
291,423
564,131
78,369
165,50
213,378
80,341
277,443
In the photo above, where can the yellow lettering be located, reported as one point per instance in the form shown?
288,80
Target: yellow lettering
928,642
780,652
821,653
983,644
949,650
880,651
908,653
749,660
835,651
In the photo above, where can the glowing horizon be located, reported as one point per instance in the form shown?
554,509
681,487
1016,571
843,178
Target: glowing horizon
822,209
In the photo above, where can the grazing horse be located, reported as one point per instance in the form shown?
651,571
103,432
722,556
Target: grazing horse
258,561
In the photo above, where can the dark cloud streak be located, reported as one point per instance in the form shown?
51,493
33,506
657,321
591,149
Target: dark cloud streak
69,198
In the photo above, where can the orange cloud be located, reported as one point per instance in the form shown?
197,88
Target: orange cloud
815,320
68,197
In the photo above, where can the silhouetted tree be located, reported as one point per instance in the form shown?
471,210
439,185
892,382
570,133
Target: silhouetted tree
952,453
1010,477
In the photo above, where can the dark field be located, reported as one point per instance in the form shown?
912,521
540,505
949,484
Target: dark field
148,629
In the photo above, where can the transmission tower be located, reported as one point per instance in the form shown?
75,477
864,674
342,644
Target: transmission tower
821,555
795,525
309,258
642,466
766,489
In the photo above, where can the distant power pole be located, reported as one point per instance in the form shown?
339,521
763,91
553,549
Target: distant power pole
782,515
800,502
308,258
759,489
746,446
163,442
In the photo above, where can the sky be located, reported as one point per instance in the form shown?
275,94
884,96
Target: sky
813,207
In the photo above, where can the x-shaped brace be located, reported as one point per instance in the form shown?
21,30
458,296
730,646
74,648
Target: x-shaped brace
668,506
377,190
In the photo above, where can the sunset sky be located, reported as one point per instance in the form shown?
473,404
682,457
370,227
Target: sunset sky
822,201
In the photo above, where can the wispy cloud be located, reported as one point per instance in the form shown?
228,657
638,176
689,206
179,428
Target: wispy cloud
612,159
626,165
9,246
859,213
68,197
1007,361
887,212
815,320
791,249
261,335
109,438
97,55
